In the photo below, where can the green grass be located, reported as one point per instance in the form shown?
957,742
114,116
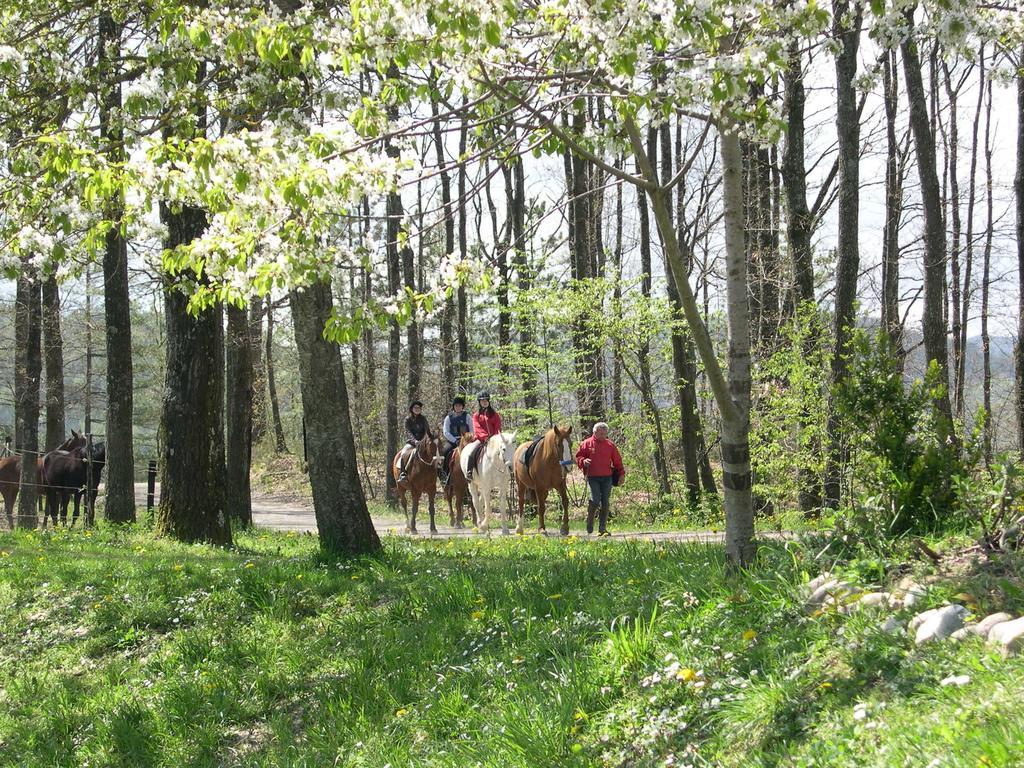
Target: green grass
120,649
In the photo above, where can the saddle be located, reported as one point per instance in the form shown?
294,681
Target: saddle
404,455
527,456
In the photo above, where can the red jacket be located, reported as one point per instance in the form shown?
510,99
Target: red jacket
486,425
603,456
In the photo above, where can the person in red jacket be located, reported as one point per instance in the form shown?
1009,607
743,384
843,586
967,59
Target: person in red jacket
601,463
486,424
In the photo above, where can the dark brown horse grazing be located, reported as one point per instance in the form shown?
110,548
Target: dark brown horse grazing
546,472
457,488
10,476
421,478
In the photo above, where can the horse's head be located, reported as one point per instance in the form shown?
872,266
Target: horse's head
563,436
429,450
508,448
73,443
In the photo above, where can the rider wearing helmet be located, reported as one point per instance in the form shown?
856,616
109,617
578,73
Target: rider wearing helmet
456,424
486,424
416,427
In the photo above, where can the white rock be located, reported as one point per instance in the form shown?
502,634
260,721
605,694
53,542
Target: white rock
817,581
874,600
913,595
830,591
1009,636
983,627
891,625
921,618
944,622
956,680
963,633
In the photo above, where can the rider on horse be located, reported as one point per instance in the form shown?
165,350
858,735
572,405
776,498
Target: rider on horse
486,424
416,427
456,424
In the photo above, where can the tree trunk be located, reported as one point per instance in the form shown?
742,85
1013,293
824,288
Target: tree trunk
394,345
239,421
1018,189
986,344
53,344
280,446
953,144
893,210
119,506
342,519
972,189
192,474
87,420
27,372
617,404
260,412
848,130
465,381
448,374
732,396
933,323
799,222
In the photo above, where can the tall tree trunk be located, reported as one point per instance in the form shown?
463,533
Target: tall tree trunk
260,411
893,209
119,504
1018,189
448,375
192,474
986,345
28,365
53,345
953,144
732,395
87,418
501,238
280,446
394,345
465,380
847,30
682,358
369,352
934,231
617,404
645,384
799,222
524,284
972,188
239,415
342,519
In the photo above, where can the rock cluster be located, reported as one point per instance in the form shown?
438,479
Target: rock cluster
952,621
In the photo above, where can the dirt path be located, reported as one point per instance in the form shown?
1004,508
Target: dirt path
282,513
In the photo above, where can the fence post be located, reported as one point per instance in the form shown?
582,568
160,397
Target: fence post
151,486
89,499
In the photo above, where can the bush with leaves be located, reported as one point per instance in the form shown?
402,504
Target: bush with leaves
899,465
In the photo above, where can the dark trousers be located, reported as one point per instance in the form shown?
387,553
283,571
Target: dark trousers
600,490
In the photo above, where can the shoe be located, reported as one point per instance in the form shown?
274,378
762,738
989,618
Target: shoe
402,477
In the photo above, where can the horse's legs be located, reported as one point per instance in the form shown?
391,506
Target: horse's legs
415,510
430,505
9,508
503,504
410,524
481,502
521,492
65,499
565,509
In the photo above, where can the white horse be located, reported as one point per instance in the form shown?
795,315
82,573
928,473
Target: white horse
493,473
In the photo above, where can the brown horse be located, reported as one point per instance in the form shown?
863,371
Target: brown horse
457,488
546,471
10,476
420,479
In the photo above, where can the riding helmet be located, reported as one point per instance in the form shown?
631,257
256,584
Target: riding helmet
460,400
483,396
414,403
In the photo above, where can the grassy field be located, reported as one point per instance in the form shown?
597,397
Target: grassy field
120,649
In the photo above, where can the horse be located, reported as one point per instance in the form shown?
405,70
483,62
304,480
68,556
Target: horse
493,472
546,471
10,476
420,479
457,487
67,472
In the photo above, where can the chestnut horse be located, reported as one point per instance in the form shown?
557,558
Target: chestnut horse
10,475
420,479
547,470
458,488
